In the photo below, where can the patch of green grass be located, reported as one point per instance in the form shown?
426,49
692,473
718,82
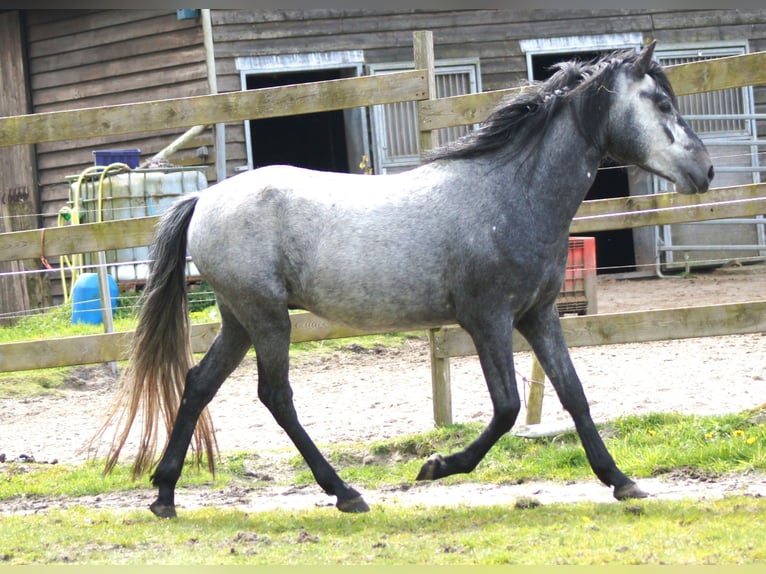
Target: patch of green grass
645,532
655,444
57,323
638,532
643,446
25,384
88,479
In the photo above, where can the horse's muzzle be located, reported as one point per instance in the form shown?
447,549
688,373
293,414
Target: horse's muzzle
704,184
697,177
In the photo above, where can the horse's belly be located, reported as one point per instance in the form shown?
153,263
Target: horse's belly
381,319
387,304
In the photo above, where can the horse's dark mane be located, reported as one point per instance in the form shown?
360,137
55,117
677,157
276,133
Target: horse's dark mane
520,121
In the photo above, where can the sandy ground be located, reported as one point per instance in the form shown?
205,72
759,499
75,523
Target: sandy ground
363,395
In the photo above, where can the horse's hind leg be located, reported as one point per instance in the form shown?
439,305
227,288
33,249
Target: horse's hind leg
272,345
543,331
202,382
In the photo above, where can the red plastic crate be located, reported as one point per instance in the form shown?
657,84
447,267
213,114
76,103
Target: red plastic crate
578,293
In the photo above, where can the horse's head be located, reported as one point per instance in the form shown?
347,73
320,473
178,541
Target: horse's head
645,128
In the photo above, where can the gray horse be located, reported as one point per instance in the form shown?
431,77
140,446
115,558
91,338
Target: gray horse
477,235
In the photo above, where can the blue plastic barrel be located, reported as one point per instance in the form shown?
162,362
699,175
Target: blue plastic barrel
86,298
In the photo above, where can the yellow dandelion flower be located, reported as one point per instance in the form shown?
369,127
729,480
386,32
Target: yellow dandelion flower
739,433
709,435
652,432
751,440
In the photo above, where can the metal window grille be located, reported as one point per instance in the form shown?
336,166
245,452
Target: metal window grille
395,126
719,105
726,121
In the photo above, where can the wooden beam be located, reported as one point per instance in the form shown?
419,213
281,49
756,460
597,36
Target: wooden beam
633,327
212,109
687,213
636,203
459,110
451,341
536,393
102,348
718,74
64,352
441,385
423,48
704,76
85,238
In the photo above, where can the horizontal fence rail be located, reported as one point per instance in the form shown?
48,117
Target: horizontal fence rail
692,78
631,327
450,341
212,109
597,215
84,238
666,208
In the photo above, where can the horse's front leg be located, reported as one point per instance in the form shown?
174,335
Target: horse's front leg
542,328
491,333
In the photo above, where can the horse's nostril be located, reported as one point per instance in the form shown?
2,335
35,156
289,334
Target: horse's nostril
710,173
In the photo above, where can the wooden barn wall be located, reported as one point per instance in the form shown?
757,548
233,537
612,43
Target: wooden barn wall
80,59
492,35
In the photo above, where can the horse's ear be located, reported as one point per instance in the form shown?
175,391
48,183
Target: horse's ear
644,60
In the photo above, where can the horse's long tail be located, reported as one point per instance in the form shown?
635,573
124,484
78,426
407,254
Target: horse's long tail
161,353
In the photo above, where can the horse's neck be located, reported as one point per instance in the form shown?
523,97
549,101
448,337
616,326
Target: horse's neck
556,177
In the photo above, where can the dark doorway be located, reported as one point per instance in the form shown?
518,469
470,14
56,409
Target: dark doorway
315,141
615,252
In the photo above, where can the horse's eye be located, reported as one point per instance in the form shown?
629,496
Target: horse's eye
664,105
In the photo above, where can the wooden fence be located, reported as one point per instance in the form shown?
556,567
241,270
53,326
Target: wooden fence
449,341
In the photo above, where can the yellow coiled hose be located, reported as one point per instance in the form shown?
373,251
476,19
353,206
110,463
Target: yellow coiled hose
71,215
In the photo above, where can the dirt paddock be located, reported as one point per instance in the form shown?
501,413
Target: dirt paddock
361,395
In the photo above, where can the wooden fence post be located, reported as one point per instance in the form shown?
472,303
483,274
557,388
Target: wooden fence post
423,47
440,380
536,391
19,201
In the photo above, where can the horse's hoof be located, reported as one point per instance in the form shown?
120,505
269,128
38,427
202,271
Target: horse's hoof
353,505
628,491
431,470
162,510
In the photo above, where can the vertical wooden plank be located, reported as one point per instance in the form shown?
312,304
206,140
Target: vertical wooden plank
423,47
440,381
18,190
14,298
212,80
423,44
536,391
